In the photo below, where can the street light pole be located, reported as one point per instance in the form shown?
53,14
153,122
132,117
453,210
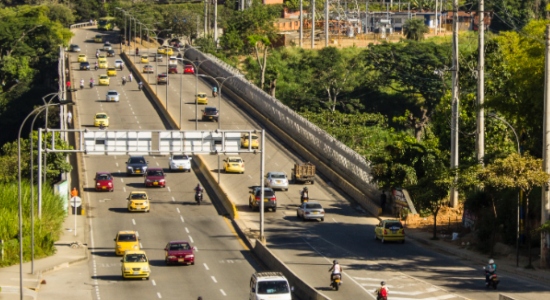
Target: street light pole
45,158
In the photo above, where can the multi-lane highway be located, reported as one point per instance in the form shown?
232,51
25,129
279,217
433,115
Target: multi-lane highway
223,265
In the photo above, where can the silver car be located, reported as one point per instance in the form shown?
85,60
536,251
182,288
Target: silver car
311,210
107,46
277,180
118,63
112,96
180,162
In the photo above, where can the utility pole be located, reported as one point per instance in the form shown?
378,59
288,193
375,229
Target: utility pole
480,132
435,27
326,23
545,209
216,23
301,23
205,18
454,102
312,23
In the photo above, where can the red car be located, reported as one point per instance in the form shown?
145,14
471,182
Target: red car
179,252
104,182
173,70
188,69
155,177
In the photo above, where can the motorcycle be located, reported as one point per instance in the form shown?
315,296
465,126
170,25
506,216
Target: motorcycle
123,81
493,280
140,86
336,281
304,197
130,77
96,68
91,84
198,197
81,85
214,94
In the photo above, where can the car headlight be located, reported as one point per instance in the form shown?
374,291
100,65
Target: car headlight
135,246
162,180
130,168
146,269
127,269
171,257
98,184
147,180
189,256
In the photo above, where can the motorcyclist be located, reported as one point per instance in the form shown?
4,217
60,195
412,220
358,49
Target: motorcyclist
382,291
198,188
336,269
304,194
96,66
91,82
101,126
490,270
140,85
81,83
130,77
123,80
214,91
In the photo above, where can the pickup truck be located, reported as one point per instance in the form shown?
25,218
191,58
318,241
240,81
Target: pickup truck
303,173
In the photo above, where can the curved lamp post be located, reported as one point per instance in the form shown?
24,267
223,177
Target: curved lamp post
220,86
519,152
196,64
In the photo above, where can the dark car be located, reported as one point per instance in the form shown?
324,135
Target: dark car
155,177
173,69
85,65
270,200
179,252
210,113
136,165
74,48
162,78
104,181
111,53
188,69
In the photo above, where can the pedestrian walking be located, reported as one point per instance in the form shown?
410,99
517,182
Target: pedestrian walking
68,85
74,192
382,291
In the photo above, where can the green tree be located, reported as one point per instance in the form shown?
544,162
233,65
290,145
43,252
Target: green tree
415,29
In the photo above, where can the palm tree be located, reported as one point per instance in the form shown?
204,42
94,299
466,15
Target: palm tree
415,29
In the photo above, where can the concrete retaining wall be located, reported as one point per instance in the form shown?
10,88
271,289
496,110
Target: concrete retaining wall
340,164
504,297
301,289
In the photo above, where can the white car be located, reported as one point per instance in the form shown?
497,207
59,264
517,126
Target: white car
107,46
311,210
180,162
118,63
276,180
112,96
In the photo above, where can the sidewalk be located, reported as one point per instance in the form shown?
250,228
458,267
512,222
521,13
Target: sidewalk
505,264
71,249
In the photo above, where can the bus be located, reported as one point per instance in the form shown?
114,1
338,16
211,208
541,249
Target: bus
106,23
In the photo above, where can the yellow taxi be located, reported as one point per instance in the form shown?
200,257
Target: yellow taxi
138,201
111,71
101,119
169,51
98,38
165,50
135,264
144,59
201,98
233,164
103,64
389,230
82,58
102,56
104,80
250,141
126,240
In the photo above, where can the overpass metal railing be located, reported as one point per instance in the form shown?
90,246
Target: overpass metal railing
80,25
334,154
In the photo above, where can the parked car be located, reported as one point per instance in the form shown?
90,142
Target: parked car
210,113
104,181
112,96
180,162
389,230
155,177
270,200
277,180
135,264
139,201
126,240
136,165
311,210
233,164
179,252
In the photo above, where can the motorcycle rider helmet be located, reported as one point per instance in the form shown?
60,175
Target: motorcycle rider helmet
305,188
383,283
335,262
491,261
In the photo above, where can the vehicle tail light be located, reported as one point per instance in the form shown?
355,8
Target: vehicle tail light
385,232
307,212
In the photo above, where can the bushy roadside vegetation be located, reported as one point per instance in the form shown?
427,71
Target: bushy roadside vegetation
46,229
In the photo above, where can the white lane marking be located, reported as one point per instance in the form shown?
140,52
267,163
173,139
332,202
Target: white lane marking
409,293
206,267
334,220
196,248
249,176
223,293
133,221
186,230
182,219
116,164
124,189
157,163
169,190
121,180
158,295
174,199
191,239
178,209
95,283
153,282
214,279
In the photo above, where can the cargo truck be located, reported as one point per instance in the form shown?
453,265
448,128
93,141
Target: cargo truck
303,173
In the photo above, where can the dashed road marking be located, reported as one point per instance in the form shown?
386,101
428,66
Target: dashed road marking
206,266
186,230
223,293
153,282
214,279
191,239
159,295
178,209
133,221
182,219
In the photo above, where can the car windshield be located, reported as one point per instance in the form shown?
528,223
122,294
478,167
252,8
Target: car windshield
139,196
278,176
103,77
234,160
267,193
101,116
181,246
393,224
137,160
155,173
82,55
112,93
210,109
253,137
179,157
202,95
111,69
135,258
313,206
127,237
273,287
104,177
